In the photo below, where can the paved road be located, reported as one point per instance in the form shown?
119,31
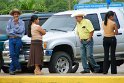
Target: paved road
46,73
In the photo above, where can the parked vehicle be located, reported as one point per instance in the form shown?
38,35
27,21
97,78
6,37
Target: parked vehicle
62,46
26,18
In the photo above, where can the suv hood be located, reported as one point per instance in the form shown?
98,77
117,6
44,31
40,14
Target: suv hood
53,35
3,37
47,37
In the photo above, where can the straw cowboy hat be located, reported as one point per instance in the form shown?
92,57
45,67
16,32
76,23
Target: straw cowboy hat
78,13
15,11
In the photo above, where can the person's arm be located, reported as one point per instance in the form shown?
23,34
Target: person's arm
20,29
116,29
76,31
90,29
9,29
91,34
43,32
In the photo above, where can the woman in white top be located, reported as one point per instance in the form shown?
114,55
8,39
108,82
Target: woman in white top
36,32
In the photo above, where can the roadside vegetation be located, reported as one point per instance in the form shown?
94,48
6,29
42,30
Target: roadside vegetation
42,5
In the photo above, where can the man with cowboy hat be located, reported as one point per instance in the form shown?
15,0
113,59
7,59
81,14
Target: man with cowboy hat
85,30
15,30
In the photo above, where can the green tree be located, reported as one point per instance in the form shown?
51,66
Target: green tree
58,5
7,5
38,5
27,4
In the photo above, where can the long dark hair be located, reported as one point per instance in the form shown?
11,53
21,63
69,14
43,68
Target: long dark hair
33,18
108,14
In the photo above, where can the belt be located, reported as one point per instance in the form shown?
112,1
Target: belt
14,37
109,37
84,39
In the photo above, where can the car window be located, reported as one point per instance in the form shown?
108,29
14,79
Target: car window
115,19
26,25
94,20
3,24
4,21
60,22
42,20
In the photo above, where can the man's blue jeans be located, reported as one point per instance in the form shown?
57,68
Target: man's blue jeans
87,55
14,46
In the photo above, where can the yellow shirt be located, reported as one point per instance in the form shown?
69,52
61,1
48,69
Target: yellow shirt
109,29
84,28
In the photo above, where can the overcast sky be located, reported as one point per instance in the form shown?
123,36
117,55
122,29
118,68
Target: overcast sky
83,1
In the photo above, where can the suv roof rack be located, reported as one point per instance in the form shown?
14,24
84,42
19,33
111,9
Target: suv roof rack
28,11
35,12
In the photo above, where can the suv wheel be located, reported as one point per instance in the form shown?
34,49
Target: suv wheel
75,67
5,69
60,63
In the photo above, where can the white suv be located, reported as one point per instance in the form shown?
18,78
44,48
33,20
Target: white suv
62,45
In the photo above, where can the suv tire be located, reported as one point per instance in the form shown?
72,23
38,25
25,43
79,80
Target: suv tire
60,63
75,67
5,69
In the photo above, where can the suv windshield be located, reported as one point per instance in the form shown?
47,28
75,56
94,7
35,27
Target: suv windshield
3,24
60,23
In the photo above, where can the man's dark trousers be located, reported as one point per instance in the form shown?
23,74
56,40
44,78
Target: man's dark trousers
15,45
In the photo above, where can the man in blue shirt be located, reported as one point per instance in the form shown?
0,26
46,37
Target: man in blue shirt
15,30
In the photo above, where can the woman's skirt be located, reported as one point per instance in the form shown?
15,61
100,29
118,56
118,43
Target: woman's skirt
36,53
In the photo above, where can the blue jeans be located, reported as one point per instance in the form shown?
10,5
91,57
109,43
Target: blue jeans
87,55
14,46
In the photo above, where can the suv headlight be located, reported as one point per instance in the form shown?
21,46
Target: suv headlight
6,45
44,45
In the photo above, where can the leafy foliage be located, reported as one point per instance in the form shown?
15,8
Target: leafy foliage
41,5
37,5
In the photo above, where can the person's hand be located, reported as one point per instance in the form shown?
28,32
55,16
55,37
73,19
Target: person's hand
16,20
80,40
88,39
